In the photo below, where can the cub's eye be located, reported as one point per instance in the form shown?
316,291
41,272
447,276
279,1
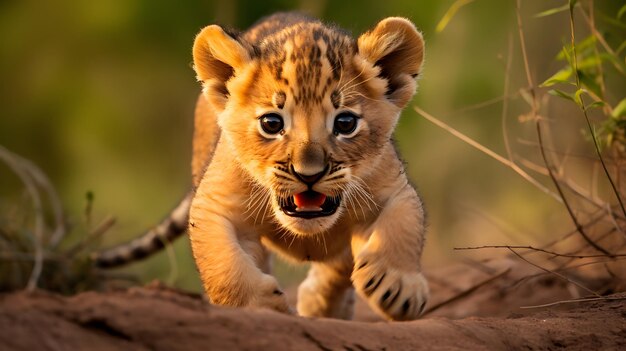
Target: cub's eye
272,123
345,123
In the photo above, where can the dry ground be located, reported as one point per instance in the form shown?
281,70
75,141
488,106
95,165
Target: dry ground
158,318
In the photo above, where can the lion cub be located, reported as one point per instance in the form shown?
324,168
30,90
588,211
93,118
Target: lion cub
292,153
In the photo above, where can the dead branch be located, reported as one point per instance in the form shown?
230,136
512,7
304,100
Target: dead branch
467,291
535,112
16,166
590,299
102,228
555,273
577,224
595,219
564,268
584,110
571,185
488,152
505,103
532,248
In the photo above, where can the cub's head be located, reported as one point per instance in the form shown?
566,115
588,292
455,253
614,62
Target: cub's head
307,110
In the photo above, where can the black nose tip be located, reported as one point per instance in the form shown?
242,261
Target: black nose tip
309,179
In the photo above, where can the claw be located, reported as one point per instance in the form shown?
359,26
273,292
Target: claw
422,308
367,290
394,298
405,306
385,296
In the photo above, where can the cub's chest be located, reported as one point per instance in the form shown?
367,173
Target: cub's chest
320,247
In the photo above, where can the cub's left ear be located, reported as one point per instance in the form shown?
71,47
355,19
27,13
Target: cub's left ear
397,48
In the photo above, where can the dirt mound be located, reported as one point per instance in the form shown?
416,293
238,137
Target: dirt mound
162,319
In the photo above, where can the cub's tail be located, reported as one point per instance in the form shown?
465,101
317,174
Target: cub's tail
152,241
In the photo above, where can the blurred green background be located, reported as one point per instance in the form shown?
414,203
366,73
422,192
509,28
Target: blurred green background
100,94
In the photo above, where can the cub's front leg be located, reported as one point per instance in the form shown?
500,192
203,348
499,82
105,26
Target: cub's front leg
387,270
327,290
229,262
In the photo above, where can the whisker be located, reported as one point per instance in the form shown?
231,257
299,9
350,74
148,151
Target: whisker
366,190
364,196
341,89
267,205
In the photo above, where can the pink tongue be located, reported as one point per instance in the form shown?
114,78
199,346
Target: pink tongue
309,199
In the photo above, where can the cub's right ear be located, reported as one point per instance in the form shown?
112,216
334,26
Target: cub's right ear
217,56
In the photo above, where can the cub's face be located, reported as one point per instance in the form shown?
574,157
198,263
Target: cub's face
308,111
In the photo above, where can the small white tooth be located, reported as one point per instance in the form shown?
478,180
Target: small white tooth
308,209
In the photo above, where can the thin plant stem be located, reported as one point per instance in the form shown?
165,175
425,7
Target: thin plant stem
536,249
505,103
467,291
535,113
578,226
591,299
584,109
555,273
487,151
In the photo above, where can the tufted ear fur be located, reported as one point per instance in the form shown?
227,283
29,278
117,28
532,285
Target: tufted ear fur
217,56
397,48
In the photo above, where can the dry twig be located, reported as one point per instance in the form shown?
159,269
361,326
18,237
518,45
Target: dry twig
584,109
553,272
535,110
531,248
487,151
22,172
467,291
590,299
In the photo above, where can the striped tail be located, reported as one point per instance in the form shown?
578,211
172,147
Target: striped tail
149,243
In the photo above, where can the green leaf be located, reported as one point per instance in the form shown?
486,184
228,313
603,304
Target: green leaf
581,46
589,62
590,81
562,94
610,19
552,11
605,56
452,10
595,104
565,53
609,139
620,48
620,109
561,76
621,12
578,99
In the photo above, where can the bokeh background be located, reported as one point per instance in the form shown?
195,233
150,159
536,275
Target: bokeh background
100,95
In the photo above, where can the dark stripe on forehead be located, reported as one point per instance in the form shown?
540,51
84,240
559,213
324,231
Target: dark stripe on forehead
336,98
279,99
316,53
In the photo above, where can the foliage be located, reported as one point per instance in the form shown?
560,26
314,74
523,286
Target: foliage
590,79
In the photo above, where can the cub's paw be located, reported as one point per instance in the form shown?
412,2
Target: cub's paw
266,293
316,299
396,294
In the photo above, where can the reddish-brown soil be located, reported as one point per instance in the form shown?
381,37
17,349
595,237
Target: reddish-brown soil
157,318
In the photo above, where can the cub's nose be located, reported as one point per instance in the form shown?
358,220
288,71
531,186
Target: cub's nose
309,179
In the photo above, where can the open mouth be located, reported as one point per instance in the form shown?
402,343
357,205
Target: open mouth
310,204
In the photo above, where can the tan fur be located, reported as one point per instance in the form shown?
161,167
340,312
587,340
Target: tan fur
307,73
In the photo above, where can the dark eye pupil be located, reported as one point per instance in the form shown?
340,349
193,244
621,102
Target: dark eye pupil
272,123
345,124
